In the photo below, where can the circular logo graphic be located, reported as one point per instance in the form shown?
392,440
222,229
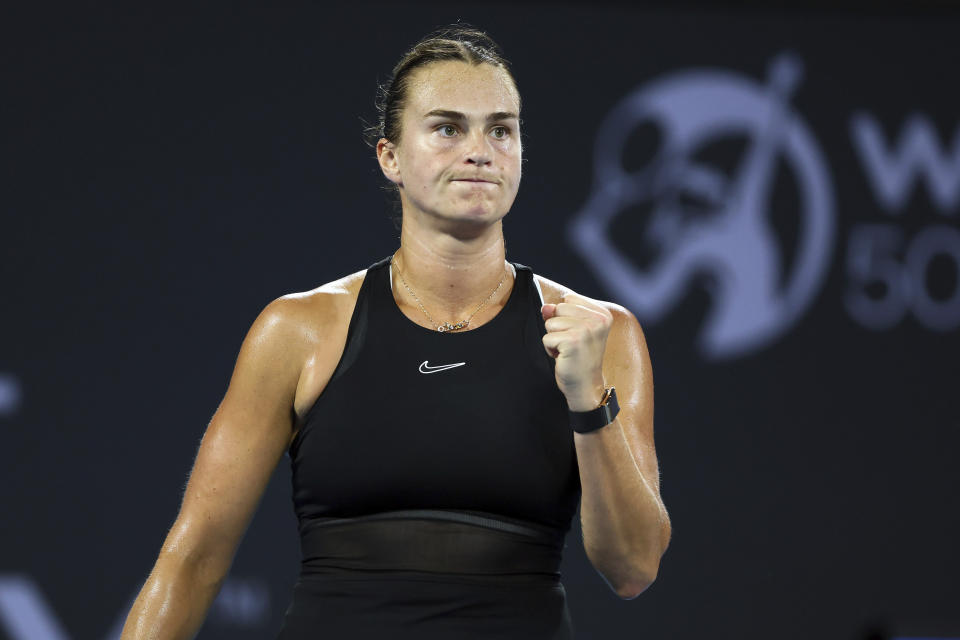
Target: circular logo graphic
752,303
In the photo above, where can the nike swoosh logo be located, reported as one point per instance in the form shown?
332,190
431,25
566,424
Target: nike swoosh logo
425,368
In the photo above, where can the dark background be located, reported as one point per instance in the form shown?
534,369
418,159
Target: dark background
166,173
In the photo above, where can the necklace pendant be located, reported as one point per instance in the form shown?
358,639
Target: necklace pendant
446,326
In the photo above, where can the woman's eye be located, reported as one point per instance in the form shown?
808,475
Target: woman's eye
448,131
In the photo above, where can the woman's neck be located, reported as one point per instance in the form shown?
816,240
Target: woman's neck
451,276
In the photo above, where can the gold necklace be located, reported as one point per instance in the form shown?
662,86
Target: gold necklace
446,326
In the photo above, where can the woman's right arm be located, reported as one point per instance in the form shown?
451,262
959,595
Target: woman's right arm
243,443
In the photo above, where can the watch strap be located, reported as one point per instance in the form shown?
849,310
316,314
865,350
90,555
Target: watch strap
587,421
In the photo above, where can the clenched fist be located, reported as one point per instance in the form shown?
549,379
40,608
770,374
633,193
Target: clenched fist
576,337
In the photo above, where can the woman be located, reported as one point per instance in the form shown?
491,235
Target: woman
444,409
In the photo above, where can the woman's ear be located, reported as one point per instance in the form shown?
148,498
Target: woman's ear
389,162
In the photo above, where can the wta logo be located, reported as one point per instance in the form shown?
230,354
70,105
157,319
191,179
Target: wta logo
690,172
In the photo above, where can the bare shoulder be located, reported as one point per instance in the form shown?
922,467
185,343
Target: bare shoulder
318,322
327,294
318,307
289,330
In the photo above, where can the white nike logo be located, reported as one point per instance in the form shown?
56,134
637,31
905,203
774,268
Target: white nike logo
425,368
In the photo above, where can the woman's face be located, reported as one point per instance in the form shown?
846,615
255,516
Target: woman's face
459,152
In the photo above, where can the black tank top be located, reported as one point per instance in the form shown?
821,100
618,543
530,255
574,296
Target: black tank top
467,427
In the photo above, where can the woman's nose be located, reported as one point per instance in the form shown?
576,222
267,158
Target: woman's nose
478,151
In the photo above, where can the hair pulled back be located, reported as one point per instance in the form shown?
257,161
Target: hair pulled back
455,42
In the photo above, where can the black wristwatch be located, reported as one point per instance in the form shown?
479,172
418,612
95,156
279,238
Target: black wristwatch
587,421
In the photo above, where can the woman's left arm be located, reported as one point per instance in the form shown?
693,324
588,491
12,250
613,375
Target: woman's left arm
625,525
